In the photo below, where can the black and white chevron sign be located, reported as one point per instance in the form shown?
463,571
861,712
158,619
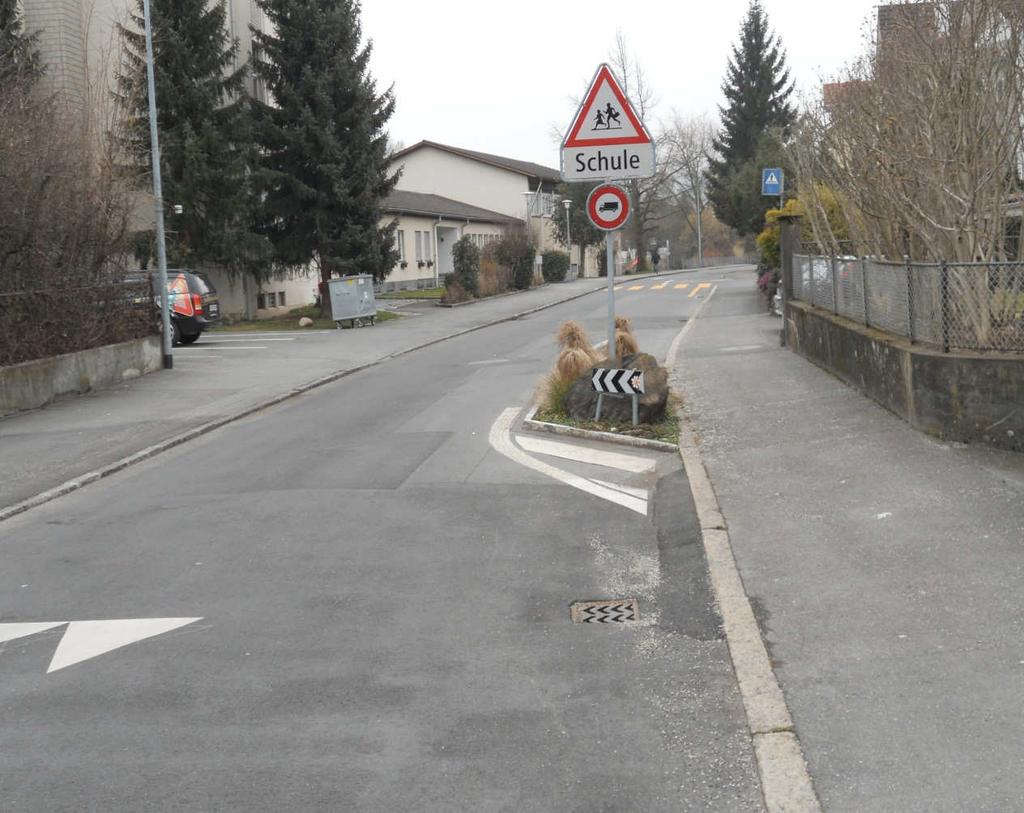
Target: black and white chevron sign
619,382
610,614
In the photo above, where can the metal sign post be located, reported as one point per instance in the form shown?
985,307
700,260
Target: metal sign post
613,355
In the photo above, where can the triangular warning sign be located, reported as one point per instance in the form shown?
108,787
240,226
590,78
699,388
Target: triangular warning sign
771,180
606,116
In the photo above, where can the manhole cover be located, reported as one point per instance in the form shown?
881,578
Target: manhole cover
613,611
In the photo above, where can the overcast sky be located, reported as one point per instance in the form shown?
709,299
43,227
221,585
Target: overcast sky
498,77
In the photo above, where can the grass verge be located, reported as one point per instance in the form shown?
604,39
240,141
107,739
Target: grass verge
291,321
666,430
425,293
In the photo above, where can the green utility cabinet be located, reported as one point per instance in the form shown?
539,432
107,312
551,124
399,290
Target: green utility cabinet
352,299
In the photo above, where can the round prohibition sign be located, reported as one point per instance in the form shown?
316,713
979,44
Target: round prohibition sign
608,207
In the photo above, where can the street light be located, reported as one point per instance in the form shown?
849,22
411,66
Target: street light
568,231
158,195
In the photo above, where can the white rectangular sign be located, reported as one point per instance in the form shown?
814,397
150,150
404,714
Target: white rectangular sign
600,163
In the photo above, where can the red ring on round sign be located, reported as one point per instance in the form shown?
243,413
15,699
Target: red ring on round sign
603,223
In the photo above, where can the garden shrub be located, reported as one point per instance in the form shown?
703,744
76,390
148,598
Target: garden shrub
453,291
495,278
556,266
515,252
466,258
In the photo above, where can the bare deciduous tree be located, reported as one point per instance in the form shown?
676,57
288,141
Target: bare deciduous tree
64,213
691,144
922,140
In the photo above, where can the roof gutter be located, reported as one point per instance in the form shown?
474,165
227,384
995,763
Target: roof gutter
470,218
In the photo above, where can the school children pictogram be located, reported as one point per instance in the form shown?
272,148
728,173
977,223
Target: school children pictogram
608,119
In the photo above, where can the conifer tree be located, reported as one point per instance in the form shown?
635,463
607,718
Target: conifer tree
324,146
206,144
19,59
757,90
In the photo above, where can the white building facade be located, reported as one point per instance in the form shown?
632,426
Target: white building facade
519,189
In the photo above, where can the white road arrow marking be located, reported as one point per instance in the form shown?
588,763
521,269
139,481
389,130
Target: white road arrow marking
87,639
501,442
8,632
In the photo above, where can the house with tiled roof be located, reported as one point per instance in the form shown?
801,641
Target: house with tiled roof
428,227
521,191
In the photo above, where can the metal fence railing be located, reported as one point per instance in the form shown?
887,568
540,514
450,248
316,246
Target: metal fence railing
955,306
45,322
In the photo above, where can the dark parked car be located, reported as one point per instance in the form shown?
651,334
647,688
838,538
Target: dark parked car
193,302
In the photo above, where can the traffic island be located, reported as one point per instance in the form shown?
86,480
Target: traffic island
625,400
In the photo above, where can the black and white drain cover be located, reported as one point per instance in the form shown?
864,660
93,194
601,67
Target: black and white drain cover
613,611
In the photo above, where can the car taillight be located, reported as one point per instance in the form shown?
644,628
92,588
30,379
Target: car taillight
197,303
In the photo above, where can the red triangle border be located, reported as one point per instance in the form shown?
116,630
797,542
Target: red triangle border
604,74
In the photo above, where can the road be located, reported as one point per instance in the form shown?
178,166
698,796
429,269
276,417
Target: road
366,607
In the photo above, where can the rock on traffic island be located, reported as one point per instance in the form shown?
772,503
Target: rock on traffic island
581,399
305,321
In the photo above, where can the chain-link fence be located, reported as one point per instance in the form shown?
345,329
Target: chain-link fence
961,306
46,322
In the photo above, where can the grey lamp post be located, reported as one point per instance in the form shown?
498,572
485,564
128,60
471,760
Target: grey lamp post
158,195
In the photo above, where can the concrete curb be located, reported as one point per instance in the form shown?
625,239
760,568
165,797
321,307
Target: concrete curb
83,480
785,780
589,434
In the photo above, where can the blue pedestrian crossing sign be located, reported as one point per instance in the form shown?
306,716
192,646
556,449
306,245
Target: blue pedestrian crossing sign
771,182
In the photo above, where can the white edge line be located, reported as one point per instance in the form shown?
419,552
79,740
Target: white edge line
501,441
212,340
639,493
620,461
785,780
673,350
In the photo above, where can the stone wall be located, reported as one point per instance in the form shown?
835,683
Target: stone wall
955,396
33,384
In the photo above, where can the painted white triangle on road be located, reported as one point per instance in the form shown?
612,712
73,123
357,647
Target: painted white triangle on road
87,639
8,632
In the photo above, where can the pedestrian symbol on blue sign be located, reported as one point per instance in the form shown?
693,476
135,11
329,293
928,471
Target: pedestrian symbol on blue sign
771,182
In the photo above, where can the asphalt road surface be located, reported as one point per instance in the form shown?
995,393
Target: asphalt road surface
357,601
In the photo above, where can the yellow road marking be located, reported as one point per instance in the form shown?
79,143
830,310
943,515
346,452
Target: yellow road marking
703,286
636,287
682,286
659,286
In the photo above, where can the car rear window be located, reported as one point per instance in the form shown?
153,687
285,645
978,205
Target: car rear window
198,285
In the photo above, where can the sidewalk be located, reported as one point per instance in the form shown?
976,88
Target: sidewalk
885,566
43,448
